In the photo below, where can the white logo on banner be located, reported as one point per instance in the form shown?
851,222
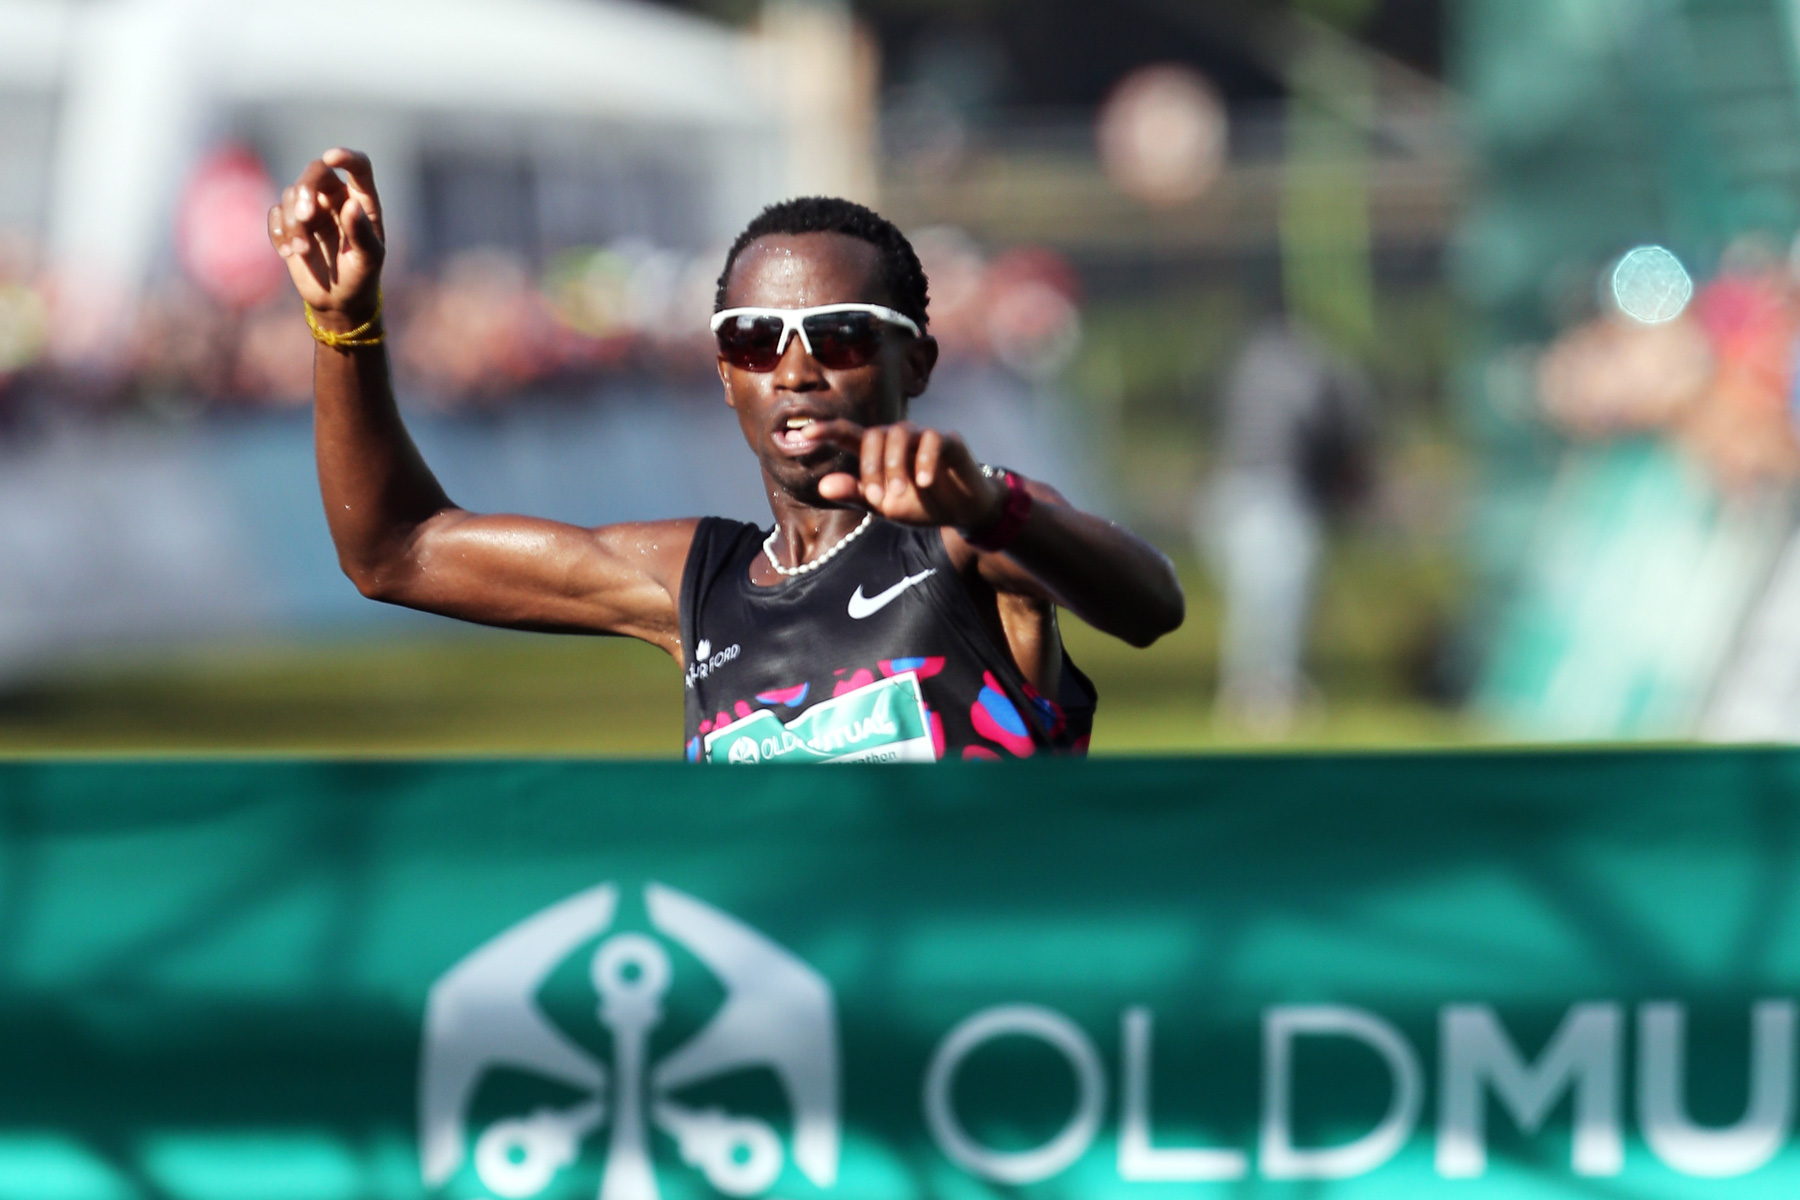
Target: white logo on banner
483,1015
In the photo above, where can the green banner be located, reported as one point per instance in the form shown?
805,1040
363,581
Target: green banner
1477,976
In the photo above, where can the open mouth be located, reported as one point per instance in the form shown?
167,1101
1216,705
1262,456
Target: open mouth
796,436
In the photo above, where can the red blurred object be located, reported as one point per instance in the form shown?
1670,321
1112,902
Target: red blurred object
1033,324
1743,430
1749,323
1035,264
222,229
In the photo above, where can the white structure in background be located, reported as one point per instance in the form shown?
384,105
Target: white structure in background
1757,695
828,106
551,120
531,124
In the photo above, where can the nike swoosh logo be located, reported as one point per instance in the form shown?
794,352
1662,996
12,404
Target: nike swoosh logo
867,606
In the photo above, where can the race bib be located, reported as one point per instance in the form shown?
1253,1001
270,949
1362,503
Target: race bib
883,721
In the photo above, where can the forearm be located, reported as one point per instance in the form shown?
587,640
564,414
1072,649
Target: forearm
376,487
1107,576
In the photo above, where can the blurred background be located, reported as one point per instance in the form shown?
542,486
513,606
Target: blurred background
1447,345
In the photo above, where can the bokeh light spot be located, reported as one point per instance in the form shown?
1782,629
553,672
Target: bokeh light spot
1651,285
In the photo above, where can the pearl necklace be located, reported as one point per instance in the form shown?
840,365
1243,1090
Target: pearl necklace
815,564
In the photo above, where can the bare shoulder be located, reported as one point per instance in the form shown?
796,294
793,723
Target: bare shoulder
523,572
658,549
639,565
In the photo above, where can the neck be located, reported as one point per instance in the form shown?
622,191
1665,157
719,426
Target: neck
804,531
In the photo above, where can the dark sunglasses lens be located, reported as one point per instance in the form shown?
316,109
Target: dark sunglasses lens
751,343
841,341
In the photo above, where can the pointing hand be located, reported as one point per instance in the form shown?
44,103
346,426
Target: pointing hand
913,476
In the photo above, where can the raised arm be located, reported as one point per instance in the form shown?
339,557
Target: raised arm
1101,572
399,537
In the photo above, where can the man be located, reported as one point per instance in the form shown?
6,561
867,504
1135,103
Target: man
902,608
1294,451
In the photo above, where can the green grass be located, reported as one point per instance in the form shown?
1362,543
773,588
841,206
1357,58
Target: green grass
1160,700
483,693
475,693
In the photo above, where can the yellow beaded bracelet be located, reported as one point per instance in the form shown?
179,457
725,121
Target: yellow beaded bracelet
354,337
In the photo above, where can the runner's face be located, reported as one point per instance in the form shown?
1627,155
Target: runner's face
804,271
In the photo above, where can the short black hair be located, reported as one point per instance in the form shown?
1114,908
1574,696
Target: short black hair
902,278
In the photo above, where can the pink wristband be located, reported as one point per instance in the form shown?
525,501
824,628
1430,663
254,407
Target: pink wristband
1013,513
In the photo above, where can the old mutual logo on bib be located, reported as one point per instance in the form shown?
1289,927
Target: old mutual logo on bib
553,1051
884,721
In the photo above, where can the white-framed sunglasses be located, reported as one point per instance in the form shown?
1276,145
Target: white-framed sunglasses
838,336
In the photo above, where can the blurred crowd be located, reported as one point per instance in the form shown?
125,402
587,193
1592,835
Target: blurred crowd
482,329
1718,378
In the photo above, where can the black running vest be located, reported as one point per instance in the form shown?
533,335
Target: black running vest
879,656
